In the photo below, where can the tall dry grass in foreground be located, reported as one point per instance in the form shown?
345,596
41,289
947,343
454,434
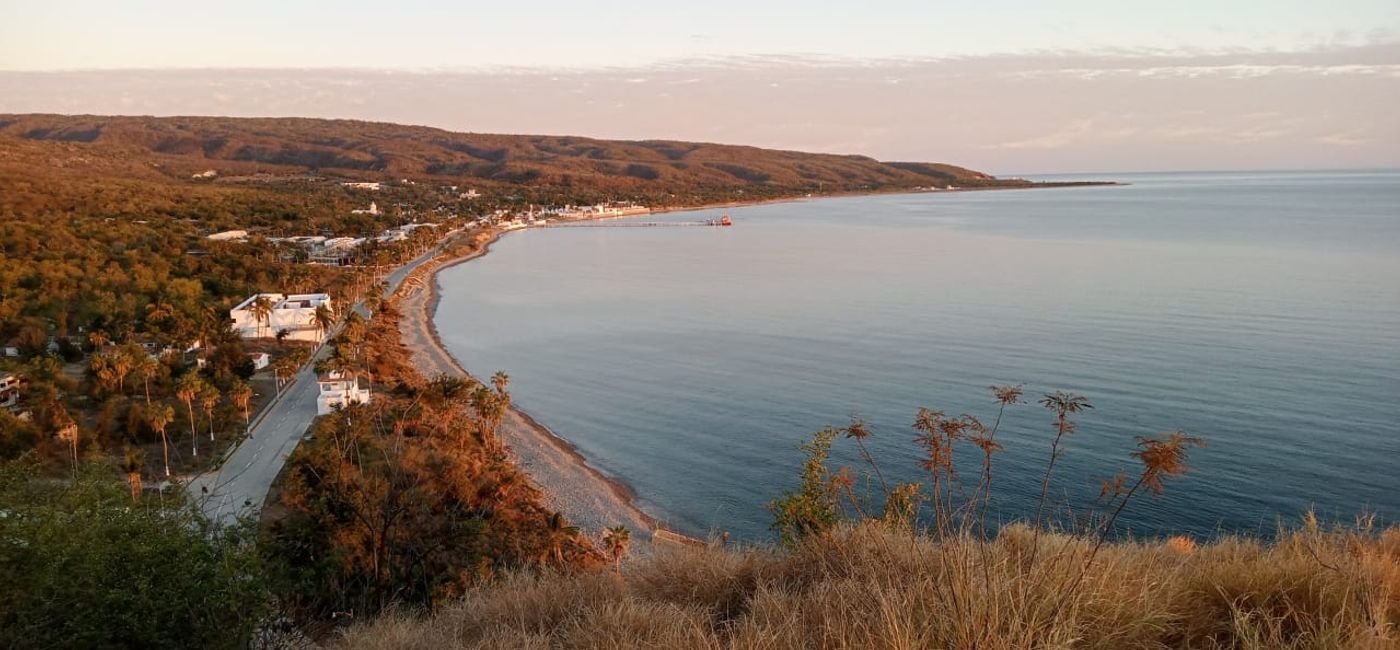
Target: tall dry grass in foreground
919,568
870,586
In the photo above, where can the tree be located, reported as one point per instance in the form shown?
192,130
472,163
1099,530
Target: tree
324,318
148,368
160,415
209,399
617,540
104,370
67,431
123,361
131,468
241,393
261,309
187,388
558,534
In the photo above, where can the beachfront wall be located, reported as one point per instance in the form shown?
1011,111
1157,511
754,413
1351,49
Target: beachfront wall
295,313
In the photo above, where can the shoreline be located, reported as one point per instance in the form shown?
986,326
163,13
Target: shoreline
534,446
589,497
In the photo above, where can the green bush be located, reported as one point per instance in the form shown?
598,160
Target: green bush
83,566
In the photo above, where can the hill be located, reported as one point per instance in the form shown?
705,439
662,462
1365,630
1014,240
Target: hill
175,148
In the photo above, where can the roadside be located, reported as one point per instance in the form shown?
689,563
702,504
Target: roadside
241,483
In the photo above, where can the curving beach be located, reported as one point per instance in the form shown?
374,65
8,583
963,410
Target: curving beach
588,498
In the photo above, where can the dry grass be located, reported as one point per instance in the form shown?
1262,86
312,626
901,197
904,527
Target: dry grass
869,586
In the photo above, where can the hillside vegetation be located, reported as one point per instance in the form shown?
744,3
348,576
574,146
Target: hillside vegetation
177,147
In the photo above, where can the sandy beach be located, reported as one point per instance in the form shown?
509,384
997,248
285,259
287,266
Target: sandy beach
588,498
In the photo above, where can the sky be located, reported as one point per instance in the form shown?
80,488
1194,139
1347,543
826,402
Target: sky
1002,85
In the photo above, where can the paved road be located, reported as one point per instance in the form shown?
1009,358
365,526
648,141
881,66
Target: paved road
241,484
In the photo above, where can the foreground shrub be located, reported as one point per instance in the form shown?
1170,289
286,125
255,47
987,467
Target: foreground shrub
82,565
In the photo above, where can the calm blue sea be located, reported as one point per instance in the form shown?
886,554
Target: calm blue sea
1260,311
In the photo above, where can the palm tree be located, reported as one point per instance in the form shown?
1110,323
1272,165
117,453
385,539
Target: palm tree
67,431
187,388
101,366
324,318
131,466
98,338
147,368
240,392
280,366
558,532
159,311
160,416
122,363
617,540
208,399
261,308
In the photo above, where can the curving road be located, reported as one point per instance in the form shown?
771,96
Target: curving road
241,484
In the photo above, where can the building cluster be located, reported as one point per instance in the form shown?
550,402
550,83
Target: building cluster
344,251
540,215
265,315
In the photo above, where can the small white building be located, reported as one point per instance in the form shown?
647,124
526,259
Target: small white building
295,313
9,390
373,209
260,360
229,235
362,186
336,390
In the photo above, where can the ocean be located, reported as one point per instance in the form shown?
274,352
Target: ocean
1259,311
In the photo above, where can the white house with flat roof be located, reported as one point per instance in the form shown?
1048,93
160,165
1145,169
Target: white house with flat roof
9,390
294,313
337,390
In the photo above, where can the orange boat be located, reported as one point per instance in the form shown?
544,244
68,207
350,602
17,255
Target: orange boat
724,221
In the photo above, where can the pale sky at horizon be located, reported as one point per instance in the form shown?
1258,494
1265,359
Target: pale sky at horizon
415,34
1004,85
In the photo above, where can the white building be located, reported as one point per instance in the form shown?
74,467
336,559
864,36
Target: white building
339,391
337,251
373,209
260,360
229,235
9,390
295,313
362,186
